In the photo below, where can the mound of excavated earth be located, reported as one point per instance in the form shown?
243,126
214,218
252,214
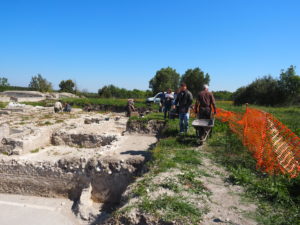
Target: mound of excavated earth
85,157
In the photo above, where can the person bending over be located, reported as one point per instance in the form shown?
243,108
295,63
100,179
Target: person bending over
58,107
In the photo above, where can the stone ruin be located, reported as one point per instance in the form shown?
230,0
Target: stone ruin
85,157
32,96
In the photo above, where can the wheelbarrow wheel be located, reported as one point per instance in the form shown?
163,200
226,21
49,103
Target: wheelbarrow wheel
202,133
199,142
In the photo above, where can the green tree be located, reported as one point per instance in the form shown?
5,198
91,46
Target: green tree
106,91
195,79
40,84
262,91
164,78
270,91
4,82
67,86
289,84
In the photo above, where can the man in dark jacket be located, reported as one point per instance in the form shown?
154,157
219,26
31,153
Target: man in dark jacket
183,101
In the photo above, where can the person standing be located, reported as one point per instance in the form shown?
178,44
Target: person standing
175,95
205,104
169,97
161,96
183,101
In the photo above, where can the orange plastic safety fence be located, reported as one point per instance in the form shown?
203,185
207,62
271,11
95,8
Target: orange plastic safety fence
275,147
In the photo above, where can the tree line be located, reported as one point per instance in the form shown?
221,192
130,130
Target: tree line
166,78
163,79
267,91
111,91
270,91
39,83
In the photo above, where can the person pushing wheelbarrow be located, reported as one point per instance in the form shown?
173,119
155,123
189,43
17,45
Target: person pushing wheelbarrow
205,109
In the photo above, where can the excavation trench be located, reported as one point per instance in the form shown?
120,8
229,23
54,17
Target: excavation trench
65,160
67,178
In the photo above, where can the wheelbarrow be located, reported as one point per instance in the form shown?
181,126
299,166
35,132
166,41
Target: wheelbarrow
203,128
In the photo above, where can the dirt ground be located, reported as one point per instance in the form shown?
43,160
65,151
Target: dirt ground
225,203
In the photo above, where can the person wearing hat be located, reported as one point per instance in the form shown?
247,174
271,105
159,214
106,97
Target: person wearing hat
205,104
130,107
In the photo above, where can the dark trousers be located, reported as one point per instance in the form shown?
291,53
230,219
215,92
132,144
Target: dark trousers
56,110
167,109
204,113
128,113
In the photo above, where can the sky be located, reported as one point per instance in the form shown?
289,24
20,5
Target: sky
124,42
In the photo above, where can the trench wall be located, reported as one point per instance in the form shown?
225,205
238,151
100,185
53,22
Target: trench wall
67,178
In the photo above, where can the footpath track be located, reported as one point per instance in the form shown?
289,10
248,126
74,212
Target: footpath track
225,203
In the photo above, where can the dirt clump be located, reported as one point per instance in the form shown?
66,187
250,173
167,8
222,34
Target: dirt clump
152,127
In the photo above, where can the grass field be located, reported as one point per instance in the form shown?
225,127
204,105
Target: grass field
103,101
277,197
290,116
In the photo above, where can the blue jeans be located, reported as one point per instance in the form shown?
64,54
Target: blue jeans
184,121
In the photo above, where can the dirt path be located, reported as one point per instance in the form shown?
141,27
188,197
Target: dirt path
225,205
